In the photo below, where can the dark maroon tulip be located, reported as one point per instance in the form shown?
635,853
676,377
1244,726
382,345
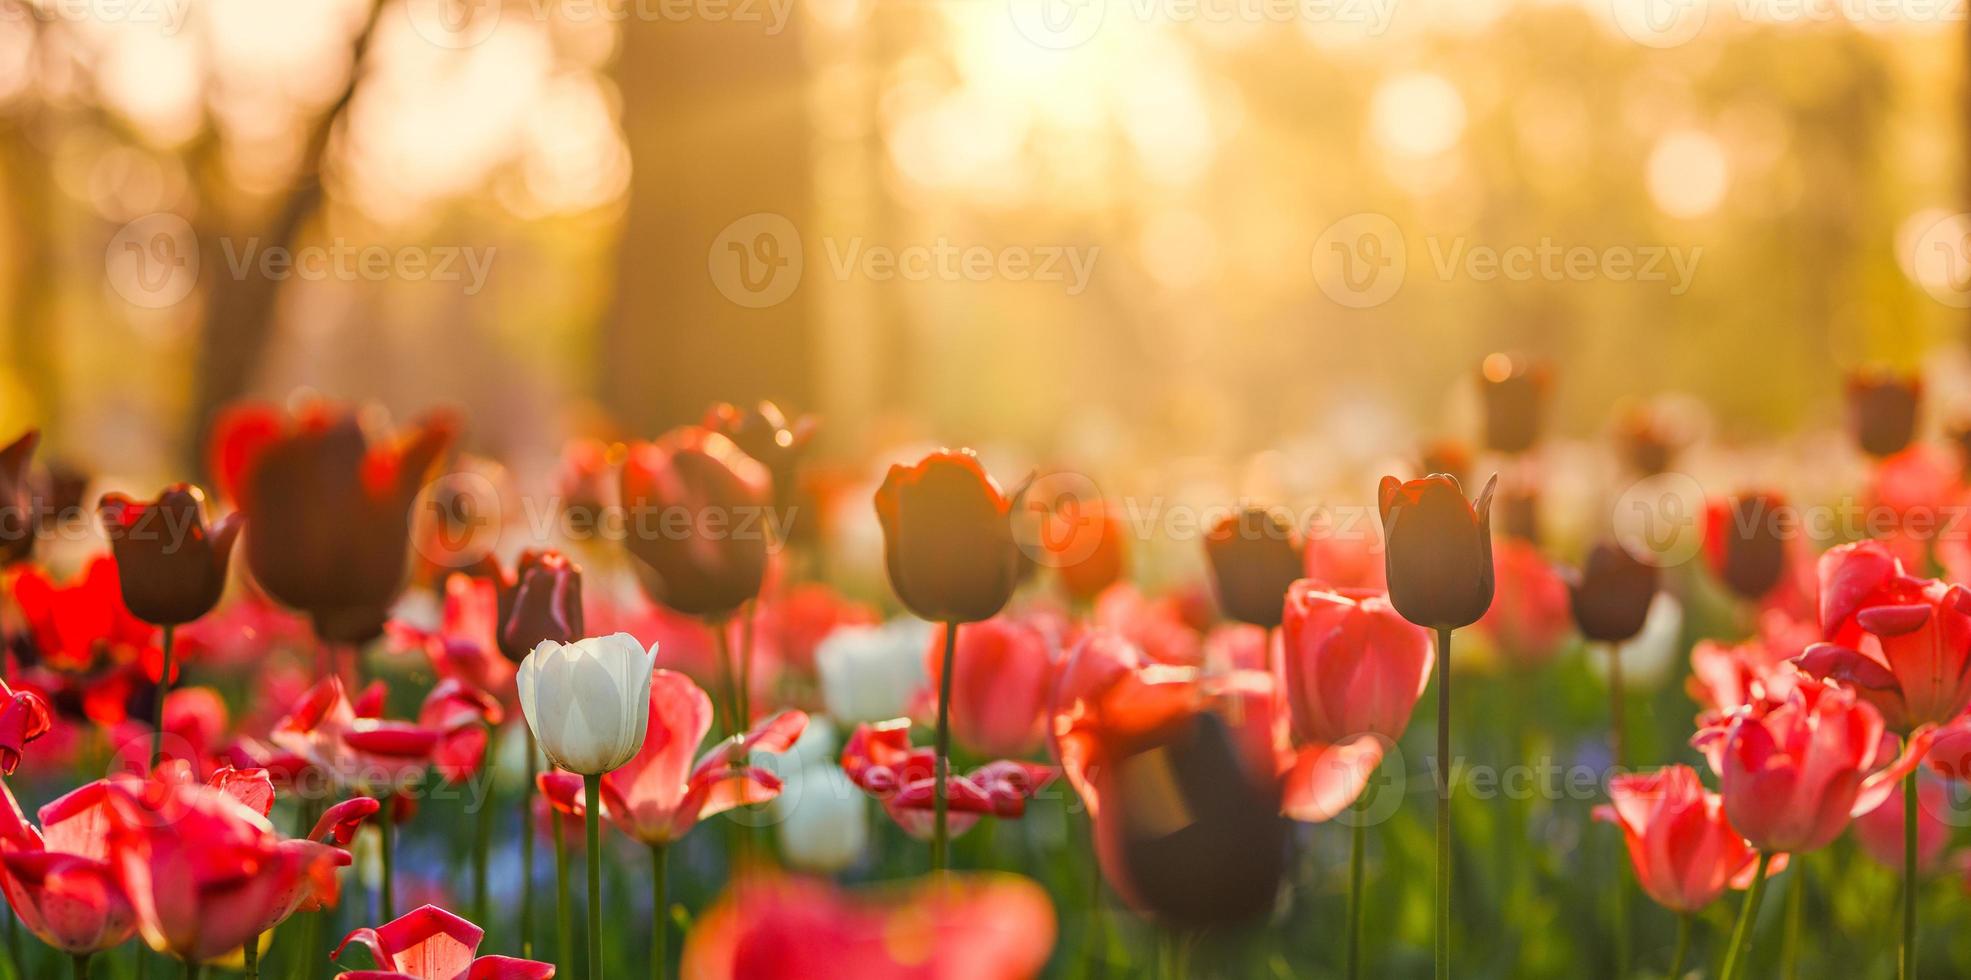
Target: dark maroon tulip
765,434
1744,543
1447,456
172,567
1611,594
1882,409
1519,515
1188,835
1255,557
331,518
1648,442
1437,550
17,511
1515,396
697,514
948,538
542,601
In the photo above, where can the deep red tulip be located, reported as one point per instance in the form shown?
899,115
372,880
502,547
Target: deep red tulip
1880,831
331,518
1002,674
661,793
1612,593
429,943
78,623
1254,556
1514,392
1352,666
1529,619
540,600
980,926
1882,410
57,879
17,511
1901,642
1684,852
465,645
1744,543
1793,772
697,512
1437,550
948,538
24,717
764,433
171,566
1086,543
879,759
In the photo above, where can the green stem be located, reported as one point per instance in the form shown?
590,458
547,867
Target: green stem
527,846
14,946
163,691
1624,929
744,692
481,848
1741,935
193,971
250,953
1906,959
1443,943
1356,877
592,785
660,919
1683,947
385,831
729,698
941,749
81,966
1617,725
564,912
1789,940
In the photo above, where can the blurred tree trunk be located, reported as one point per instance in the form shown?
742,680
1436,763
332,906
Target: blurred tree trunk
715,113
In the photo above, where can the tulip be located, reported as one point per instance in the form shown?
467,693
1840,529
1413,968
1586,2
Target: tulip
542,601
24,717
77,623
1529,619
17,512
697,509
57,879
870,673
880,760
1514,392
1744,543
429,943
1003,673
819,817
331,518
1726,677
1880,831
1610,598
1447,456
1255,555
587,704
1882,410
1438,555
1649,438
1902,643
764,433
1157,626
1683,850
984,925
1086,545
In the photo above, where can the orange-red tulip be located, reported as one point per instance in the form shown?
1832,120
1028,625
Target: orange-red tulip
948,538
1685,853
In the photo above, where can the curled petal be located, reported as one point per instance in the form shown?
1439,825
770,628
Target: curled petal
342,820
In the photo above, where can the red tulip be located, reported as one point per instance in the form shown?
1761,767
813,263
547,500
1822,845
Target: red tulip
17,511
461,715
76,623
1156,626
331,518
660,794
1901,642
541,600
1531,615
697,510
1437,550
879,759
1745,543
465,646
798,619
1882,410
350,745
429,943
172,568
1794,771
1726,677
1348,558
979,926
1880,831
24,717
1002,673
1254,555
1683,850
56,877
1353,665
948,538
765,434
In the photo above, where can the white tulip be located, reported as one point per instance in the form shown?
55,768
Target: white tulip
588,702
823,820
870,673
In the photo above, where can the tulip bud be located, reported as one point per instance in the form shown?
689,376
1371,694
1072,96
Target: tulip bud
587,702
543,602
1255,557
1188,835
1649,439
171,566
1612,594
1743,543
17,513
764,433
697,509
1882,410
1515,396
948,538
1437,552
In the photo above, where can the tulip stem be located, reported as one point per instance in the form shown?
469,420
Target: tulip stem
193,971
163,691
564,912
1443,943
81,966
743,692
527,845
384,830
1355,882
481,847
592,790
940,832
250,955
1741,935
660,918
1789,937
1906,962
1683,947
1617,742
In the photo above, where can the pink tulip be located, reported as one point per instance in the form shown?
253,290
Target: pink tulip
1353,665
24,717
1880,831
1683,850
1001,675
57,878
1901,642
1532,612
429,943
347,742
